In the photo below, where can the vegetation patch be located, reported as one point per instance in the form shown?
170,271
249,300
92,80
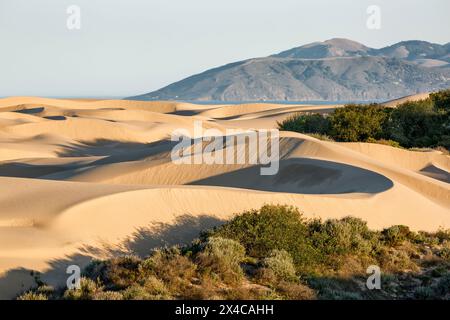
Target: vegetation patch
275,253
413,124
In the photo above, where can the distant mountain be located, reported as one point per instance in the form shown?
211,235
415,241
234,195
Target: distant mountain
337,69
412,50
327,49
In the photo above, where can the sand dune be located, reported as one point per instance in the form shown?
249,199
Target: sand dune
414,97
79,177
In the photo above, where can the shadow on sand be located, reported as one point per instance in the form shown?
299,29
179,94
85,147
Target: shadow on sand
185,229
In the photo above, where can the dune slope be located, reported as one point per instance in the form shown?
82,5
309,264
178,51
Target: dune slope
79,178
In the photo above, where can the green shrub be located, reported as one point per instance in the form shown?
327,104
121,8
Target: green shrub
222,257
136,292
306,123
395,260
87,291
108,295
281,264
358,122
272,227
396,235
442,235
444,253
345,236
331,256
413,124
30,295
441,100
169,265
121,272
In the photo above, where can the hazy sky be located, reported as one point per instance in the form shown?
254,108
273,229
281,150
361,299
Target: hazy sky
129,47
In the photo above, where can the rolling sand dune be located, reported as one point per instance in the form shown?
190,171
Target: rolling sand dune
81,178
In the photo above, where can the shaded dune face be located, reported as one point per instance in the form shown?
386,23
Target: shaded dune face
306,176
94,178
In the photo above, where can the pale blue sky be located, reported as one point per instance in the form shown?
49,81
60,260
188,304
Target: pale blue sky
129,47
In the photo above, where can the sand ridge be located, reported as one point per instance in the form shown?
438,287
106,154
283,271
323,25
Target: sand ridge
79,177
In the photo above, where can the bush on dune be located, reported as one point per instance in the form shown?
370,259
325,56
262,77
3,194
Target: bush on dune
274,253
413,124
307,123
358,123
271,228
222,257
281,264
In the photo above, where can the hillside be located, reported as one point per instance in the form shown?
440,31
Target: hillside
334,70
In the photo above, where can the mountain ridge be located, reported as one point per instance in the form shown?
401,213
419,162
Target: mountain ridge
334,70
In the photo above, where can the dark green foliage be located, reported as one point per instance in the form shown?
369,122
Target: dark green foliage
272,227
416,124
345,236
441,100
358,122
424,123
307,123
395,235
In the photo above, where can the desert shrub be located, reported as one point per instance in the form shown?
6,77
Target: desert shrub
442,235
87,291
358,122
30,295
121,272
281,264
261,254
296,291
108,295
306,123
335,288
248,293
46,290
341,237
222,257
152,289
136,292
395,260
169,265
444,253
396,235
272,227
156,288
